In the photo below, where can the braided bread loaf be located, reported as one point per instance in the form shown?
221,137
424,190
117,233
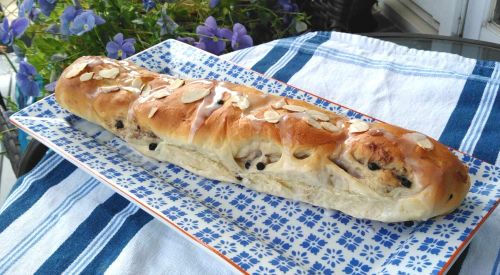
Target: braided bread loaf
268,143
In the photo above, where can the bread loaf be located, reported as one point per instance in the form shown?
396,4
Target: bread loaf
280,146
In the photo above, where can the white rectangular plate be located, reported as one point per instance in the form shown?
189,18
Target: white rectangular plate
255,232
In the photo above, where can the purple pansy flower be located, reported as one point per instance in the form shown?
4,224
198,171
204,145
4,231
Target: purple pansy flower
27,9
51,87
213,3
15,30
148,4
26,80
78,21
240,38
120,48
167,24
288,6
47,6
212,37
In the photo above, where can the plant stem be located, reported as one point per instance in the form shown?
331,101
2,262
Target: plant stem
8,130
99,37
10,62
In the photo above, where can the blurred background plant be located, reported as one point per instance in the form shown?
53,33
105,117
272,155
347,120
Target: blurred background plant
47,35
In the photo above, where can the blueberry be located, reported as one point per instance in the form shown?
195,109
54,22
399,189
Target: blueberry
261,166
248,164
119,124
152,146
404,181
220,102
239,178
373,166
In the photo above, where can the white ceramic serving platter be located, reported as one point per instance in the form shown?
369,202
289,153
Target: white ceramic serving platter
252,231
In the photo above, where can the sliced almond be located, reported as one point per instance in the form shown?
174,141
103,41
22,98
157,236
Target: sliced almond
421,140
329,127
137,83
318,115
75,70
108,89
161,94
97,77
192,95
294,108
145,89
152,112
241,101
86,76
311,121
272,116
340,124
131,89
358,126
279,104
174,84
109,73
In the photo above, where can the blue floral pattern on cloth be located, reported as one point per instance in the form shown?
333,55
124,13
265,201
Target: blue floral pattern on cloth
262,234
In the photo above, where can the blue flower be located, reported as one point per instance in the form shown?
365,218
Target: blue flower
356,267
51,87
293,232
459,215
371,253
148,4
207,215
166,23
207,235
188,224
223,192
226,247
472,163
272,200
174,213
431,245
244,260
15,30
243,238
313,244
260,250
309,218
299,257
362,226
47,6
282,263
256,211
27,9
445,230
26,79
280,245
243,223
275,221
240,38
418,263
396,259
265,271
385,237
187,40
341,217
318,268
291,207
333,257
241,201
141,191
492,173
120,48
349,241
78,21
482,188
261,233
465,234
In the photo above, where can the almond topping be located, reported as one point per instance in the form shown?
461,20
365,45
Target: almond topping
131,89
174,84
192,95
311,121
329,127
108,89
358,126
318,115
137,83
75,70
294,108
421,140
161,94
109,73
86,76
152,112
241,101
279,104
272,116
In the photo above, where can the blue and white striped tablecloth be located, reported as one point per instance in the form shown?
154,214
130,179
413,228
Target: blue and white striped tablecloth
60,219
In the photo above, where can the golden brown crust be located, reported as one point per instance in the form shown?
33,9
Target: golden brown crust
238,127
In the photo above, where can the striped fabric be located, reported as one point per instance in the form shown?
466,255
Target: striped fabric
60,220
